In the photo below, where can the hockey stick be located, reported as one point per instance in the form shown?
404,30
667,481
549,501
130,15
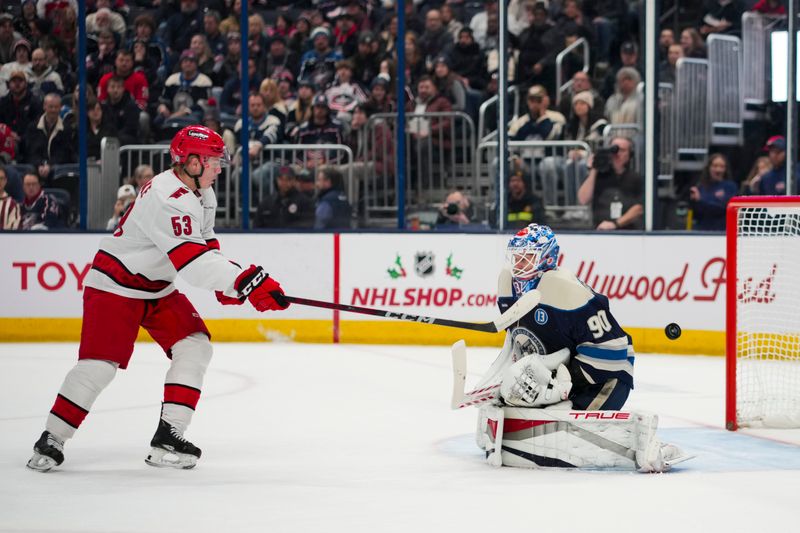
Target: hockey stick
459,398
513,314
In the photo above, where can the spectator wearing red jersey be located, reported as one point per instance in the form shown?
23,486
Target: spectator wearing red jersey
135,82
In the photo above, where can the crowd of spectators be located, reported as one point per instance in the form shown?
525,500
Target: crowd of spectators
318,70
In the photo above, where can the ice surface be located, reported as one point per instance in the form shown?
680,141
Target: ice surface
352,438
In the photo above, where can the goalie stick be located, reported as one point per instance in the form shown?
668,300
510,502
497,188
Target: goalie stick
513,314
459,398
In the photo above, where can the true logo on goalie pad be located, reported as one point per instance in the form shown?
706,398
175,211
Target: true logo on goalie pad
599,415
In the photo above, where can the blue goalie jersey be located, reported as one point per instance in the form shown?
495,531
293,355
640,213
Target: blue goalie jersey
571,315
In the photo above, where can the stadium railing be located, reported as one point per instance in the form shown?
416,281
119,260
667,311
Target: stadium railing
563,85
756,30
119,162
554,176
308,157
490,103
725,102
666,150
691,114
435,164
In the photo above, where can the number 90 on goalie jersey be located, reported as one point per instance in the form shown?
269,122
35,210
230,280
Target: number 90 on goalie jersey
571,315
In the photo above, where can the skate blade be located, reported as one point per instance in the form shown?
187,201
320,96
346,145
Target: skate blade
41,463
161,458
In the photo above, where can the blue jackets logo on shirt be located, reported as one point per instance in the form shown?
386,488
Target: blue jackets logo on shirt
526,343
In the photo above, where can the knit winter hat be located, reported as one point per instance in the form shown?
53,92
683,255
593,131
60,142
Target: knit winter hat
584,96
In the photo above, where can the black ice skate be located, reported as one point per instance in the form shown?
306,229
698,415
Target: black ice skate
171,449
48,452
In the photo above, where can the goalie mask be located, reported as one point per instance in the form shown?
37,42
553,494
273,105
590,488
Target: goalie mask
530,253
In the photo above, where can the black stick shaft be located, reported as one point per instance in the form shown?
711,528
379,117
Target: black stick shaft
488,327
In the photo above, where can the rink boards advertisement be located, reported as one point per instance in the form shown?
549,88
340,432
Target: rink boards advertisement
650,280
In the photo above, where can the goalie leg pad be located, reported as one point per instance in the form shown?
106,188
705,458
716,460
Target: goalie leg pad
539,438
489,434
652,455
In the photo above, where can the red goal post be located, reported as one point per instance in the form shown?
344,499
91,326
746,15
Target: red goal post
763,312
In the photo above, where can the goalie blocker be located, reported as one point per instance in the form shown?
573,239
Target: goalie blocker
541,438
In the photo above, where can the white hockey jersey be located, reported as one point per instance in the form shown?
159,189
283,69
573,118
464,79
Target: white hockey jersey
168,230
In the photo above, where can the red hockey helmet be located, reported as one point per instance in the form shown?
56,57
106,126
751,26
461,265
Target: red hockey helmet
200,141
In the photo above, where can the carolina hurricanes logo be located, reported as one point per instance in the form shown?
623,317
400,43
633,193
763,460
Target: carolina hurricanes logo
180,192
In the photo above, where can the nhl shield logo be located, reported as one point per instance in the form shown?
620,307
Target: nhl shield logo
423,264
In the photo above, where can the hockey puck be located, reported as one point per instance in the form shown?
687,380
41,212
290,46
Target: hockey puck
672,331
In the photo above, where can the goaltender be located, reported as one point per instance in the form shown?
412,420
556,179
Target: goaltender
568,354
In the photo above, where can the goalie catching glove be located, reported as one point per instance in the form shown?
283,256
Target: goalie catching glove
264,293
528,383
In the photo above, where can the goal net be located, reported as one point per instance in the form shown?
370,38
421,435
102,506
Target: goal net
763,312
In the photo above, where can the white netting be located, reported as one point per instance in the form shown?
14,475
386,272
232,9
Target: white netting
768,317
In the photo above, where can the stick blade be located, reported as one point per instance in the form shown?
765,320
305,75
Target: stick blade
459,354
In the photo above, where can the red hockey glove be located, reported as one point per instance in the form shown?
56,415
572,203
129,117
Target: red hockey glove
227,300
263,292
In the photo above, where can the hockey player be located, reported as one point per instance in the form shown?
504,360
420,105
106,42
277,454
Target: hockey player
567,353
168,230
572,326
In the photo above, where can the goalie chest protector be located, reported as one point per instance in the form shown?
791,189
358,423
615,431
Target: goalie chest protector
570,314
